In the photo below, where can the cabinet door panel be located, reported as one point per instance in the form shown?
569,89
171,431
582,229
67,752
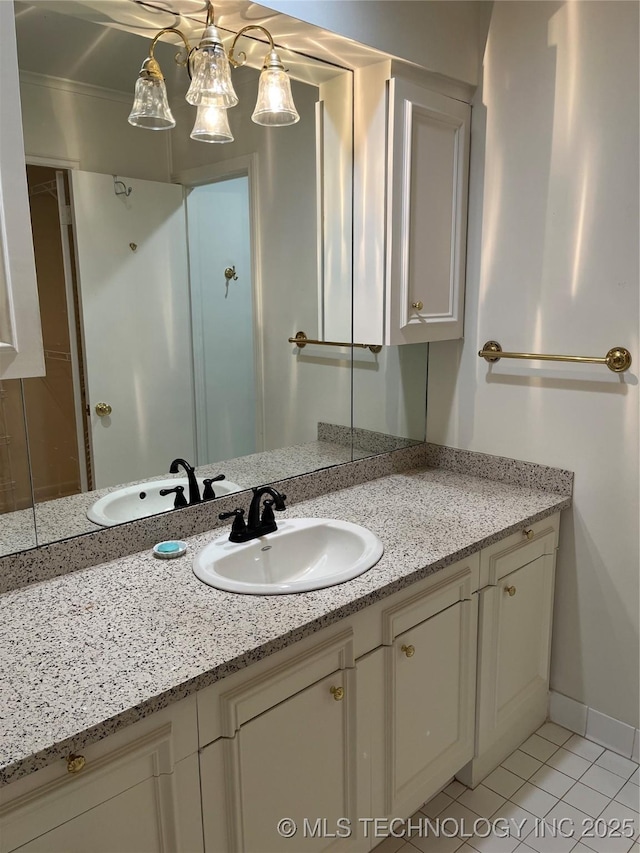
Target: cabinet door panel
515,638
426,214
139,759
21,352
297,761
430,686
128,823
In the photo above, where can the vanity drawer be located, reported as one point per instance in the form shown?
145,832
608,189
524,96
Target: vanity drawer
526,545
149,761
412,609
227,705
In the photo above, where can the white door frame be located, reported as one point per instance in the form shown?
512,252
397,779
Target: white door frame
236,167
64,205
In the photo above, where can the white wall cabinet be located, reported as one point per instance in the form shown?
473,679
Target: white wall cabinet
411,231
137,793
21,352
367,718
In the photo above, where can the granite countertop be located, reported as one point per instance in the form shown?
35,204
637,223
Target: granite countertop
86,653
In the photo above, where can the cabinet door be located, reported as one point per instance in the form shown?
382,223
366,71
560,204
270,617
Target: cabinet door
430,686
514,648
141,819
296,760
427,185
138,791
21,351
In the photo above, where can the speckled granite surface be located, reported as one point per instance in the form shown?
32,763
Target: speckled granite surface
105,646
363,439
61,557
528,474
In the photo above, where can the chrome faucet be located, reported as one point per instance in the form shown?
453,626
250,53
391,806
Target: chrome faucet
256,525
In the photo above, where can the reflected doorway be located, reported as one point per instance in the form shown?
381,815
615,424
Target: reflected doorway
223,319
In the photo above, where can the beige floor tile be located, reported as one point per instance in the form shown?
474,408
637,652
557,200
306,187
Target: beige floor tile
586,799
609,820
584,748
534,800
569,763
454,789
436,804
390,845
503,782
629,794
483,801
521,764
538,747
555,733
602,780
617,764
552,781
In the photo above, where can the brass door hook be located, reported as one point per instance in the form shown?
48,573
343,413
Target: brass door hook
230,273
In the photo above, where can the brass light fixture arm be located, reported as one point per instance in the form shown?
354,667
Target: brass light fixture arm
618,359
151,65
242,56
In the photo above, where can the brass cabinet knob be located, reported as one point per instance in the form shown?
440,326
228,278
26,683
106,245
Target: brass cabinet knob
103,409
528,533
408,650
337,692
511,590
417,305
75,763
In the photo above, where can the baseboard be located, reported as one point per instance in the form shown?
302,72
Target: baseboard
615,735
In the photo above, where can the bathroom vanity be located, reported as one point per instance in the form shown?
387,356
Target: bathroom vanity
173,716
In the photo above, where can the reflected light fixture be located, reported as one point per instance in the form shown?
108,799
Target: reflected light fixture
211,89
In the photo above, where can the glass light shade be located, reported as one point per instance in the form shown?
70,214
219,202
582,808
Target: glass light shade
275,107
212,125
150,106
211,84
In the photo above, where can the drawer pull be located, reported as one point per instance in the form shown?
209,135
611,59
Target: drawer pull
528,533
511,590
337,692
409,650
75,763
417,305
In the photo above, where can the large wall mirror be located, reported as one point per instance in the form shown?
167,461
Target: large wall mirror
172,274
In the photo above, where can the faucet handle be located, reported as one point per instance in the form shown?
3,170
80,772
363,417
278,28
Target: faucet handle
180,500
267,512
239,526
208,494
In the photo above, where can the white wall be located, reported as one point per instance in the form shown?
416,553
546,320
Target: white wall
89,125
553,267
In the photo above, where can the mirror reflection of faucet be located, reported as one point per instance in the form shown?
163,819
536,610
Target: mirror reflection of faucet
208,492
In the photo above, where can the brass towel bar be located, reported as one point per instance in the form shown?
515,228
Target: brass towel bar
617,359
301,340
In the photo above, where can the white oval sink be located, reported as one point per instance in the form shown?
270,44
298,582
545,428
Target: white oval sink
144,499
303,554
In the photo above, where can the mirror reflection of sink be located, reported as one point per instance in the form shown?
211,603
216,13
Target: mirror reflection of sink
302,555
143,499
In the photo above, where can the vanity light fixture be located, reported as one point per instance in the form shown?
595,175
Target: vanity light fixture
211,89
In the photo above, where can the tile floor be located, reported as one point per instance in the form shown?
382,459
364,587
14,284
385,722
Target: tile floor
556,779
